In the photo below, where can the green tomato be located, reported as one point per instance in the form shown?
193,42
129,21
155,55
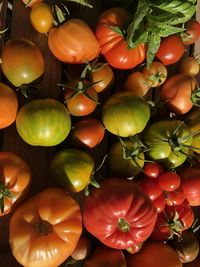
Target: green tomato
43,122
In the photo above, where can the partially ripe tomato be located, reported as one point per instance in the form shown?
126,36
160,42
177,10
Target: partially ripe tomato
136,83
192,32
82,249
189,66
156,74
22,61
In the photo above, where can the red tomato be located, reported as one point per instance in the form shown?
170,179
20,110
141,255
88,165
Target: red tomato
151,188
192,32
171,49
156,74
159,203
136,83
169,181
153,170
73,42
189,66
114,46
190,183
175,197
119,214
88,131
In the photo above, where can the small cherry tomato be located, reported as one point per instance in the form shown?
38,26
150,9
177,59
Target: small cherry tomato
169,181
159,203
189,66
136,83
153,170
192,32
151,188
175,197
156,74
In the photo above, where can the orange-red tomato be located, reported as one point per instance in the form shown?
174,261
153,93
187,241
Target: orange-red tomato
8,105
73,42
156,74
189,66
41,18
32,3
45,230
137,83
14,180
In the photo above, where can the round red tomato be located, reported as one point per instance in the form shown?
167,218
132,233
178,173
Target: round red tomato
114,46
175,197
153,170
192,32
171,49
151,188
119,214
189,66
159,203
169,181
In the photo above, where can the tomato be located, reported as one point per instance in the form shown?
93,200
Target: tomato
151,188
171,50
136,83
169,181
32,3
73,42
195,263
154,254
187,247
45,229
72,169
175,197
168,142
134,249
104,256
178,93
156,74
104,78
28,61
83,103
82,248
114,46
88,132
190,183
189,66
125,114
152,170
125,160
119,214
14,181
43,122
193,121
9,105
192,32
159,203
41,18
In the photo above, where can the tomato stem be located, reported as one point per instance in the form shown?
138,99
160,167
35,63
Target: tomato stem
4,192
123,225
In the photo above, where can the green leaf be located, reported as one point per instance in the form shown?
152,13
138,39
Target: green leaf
143,38
166,30
154,44
82,2
2,204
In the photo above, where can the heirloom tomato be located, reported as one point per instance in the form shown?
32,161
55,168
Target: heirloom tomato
104,256
114,47
45,229
136,83
179,93
32,3
171,50
14,181
8,105
41,18
190,183
22,61
43,122
125,114
125,159
193,121
168,142
154,254
189,66
72,169
119,213
156,74
73,42
192,32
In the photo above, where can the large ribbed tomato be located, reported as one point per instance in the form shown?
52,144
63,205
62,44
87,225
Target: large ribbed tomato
73,42
114,47
44,230
43,122
14,180
119,214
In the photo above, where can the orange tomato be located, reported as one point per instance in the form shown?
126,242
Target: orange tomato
189,66
156,74
8,105
14,180
137,83
44,230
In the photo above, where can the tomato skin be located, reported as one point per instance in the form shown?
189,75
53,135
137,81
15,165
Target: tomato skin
192,32
189,66
190,183
73,42
82,248
113,44
112,215
154,254
9,106
171,50
88,132
125,114
72,169
46,227
43,122
15,176
153,170
169,181
151,188
159,203
156,74
41,18
28,66
176,197
177,91
136,83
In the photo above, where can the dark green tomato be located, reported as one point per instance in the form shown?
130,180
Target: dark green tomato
72,169
125,161
125,114
22,61
168,142
43,122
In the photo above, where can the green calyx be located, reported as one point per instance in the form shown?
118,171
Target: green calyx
4,192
